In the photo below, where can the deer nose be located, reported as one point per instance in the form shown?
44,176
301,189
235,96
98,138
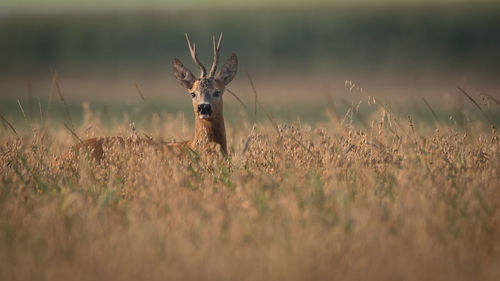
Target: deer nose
204,108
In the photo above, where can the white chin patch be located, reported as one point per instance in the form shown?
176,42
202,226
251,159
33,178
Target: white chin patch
203,116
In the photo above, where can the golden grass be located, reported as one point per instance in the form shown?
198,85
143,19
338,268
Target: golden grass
395,200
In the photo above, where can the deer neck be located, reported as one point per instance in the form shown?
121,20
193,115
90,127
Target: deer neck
212,130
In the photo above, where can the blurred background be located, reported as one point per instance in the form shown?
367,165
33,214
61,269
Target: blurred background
302,55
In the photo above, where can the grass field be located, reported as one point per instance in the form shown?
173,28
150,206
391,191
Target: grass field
362,159
363,193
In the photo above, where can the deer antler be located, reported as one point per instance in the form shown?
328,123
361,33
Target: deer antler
192,50
216,56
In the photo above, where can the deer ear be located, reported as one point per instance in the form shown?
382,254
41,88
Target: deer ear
229,70
183,75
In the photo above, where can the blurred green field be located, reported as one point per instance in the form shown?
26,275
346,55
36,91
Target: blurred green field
31,5
458,115
432,40
299,57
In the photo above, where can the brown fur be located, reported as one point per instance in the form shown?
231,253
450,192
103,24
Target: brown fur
204,90
96,148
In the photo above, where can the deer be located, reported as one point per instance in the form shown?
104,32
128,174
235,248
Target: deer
206,94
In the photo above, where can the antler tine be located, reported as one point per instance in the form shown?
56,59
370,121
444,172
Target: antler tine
192,50
216,55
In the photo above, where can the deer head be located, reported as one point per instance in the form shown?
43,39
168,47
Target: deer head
207,90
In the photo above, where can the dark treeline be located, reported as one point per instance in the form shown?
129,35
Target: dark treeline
434,37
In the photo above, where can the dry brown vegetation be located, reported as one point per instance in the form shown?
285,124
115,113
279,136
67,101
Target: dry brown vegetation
393,200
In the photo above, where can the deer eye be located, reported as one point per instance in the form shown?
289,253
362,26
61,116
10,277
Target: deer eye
193,95
216,94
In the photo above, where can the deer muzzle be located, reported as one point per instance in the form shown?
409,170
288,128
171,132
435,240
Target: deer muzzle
204,110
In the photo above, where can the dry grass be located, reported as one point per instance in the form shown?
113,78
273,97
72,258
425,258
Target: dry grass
395,200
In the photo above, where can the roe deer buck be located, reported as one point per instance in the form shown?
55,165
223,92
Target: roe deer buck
206,93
